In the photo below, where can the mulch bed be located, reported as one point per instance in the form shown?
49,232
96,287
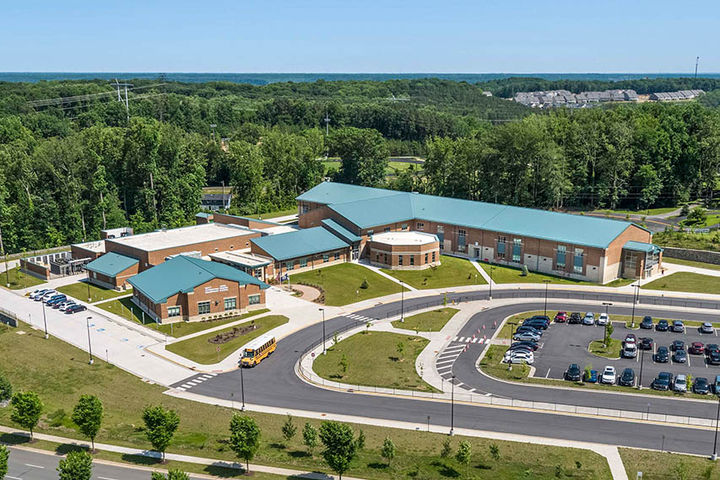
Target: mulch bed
225,337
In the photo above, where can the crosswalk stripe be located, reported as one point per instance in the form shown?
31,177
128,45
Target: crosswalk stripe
185,385
445,361
180,388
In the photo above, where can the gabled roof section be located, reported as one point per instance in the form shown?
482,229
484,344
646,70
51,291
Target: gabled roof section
642,247
340,231
181,274
377,211
331,192
111,264
300,243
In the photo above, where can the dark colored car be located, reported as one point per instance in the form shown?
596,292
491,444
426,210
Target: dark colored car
531,345
575,317
646,343
76,308
701,386
647,322
680,356
573,373
55,300
561,317
712,347
662,326
627,378
544,318
528,328
590,376
696,348
663,381
662,355
677,345
539,324
713,358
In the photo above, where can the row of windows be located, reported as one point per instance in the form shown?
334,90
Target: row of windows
229,303
302,263
428,257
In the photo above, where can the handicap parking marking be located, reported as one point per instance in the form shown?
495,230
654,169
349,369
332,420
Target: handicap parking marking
140,347
124,340
100,329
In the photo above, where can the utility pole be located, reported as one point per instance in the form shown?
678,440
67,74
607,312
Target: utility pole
323,329
327,121
87,321
152,187
697,60
212,127
2,253
126,101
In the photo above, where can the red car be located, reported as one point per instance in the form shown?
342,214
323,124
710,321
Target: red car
697,348
561,317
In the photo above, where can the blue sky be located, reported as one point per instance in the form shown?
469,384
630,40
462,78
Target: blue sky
359,36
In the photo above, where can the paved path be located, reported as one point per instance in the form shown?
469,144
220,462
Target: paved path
482,272
309,293
389,277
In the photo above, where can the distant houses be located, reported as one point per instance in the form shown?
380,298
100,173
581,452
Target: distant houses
564,98
675,96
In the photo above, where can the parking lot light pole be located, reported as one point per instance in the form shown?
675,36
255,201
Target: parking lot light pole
452,406
717,418
402,302
607,304
45,321
642,360
491,281
323,328
546,282
242,388
88,288
635,295
87,322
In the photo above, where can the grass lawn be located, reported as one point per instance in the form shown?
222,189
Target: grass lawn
432,321
667,466
79,291
128,310
181,329
686,282
59,373
646,212
503,274
611,351
691,263
373,359
200,350
341,283
18,280
698,241
452,272
276,213
619,282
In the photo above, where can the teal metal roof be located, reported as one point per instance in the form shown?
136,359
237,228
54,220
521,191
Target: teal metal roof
111,264
203,215
340,231
377,207
183,274
642,247
300,243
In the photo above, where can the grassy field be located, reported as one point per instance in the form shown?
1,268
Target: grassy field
200,350
668,466
452,272
432,321
686,282
612,350
341,283
392,167
128,310
619,282
691,263
18,280
59,374
503,274
181,329
646,212
698,241
373,359
79,291
276,213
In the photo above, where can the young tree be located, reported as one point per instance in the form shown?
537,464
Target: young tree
244,438
310,437
463,454
400,347
76,466
494,451
340,446
4,454
360,441
173,474
87,415
160,426
5,389
27,409
446,451
388,450
343,364
289,429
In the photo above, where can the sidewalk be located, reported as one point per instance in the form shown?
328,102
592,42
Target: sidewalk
389,277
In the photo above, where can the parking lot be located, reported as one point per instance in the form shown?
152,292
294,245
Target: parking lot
563,344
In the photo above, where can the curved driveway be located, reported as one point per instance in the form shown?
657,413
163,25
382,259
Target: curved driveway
274,383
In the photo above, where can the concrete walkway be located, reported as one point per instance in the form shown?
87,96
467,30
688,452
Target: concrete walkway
389,277
482,272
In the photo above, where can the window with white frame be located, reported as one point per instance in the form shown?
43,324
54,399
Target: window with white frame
173,311
560,256
231,303
253,299
578,261
420,226
517,250
203,308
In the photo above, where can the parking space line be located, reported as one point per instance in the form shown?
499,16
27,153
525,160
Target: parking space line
548,373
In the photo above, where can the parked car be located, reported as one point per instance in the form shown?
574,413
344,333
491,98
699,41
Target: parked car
38,293
55,300
680,385
62,303
713,358
662,355
678,326
680,356
543,318
526,336
589,319
647,322
712,347
603,319
646,343
528,328
707,328
590,376
76,308
519,348
561,317
627,378
701,386
630,338
663,381
629,350
573,373
45,296
696,348
575,317
532,345
521,357
662,326
608,375
66,305
677,345
539,324
716,385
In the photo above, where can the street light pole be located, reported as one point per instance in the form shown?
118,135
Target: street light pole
88,289
242,389
642,360
491,281
635,294
87,321
452,406
402,302
606,304
45,321
323,328
717,418
546,282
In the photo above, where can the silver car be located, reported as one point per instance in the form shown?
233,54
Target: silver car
526,337
589,319
680,383
707,328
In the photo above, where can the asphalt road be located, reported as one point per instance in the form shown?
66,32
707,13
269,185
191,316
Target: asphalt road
31,465
274,383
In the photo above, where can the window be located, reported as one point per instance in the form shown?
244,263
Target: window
304,209
461,240
290,265
232,246
303,262
426,258
420,226
412,259
370,232
517,250
337,255
203,308
403,226
387,229
377,258
257,273
326,258
441,236
400,260
173,311
253,299
578,261
385,259
501,247
433,257
560,256
230,303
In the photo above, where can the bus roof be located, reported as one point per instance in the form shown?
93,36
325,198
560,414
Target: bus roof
258,342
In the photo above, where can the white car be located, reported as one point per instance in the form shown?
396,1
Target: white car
603,319
66,305
608,375
680,383
46,296
520,357
36,293
589,319
707,328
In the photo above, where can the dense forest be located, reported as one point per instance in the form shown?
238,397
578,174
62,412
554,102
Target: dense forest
73,160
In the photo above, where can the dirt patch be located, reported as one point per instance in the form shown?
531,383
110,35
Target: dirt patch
225,337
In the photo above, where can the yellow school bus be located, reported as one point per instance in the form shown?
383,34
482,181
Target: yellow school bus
255,351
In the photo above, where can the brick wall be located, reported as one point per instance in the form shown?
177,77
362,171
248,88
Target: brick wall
278,268
413,256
